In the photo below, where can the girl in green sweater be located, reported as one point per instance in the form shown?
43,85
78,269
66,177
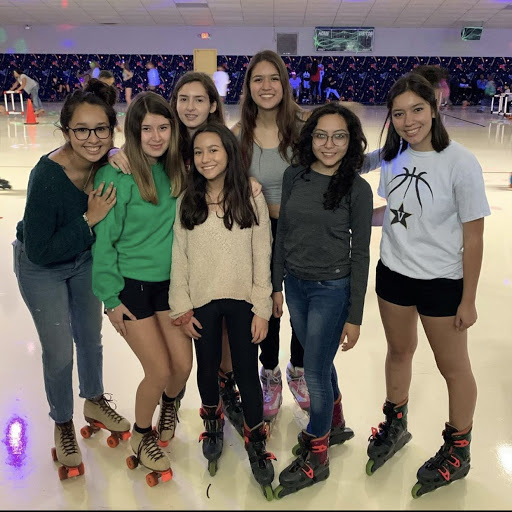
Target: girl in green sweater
132,265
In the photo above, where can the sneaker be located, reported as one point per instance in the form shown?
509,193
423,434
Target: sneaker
272,387
298,386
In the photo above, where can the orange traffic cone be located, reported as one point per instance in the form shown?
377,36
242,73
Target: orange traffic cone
31,116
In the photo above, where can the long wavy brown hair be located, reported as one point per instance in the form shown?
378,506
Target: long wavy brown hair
288,116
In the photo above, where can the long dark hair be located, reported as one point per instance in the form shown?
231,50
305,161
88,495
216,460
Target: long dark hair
236,196
341,181
213,96
420,86
288,116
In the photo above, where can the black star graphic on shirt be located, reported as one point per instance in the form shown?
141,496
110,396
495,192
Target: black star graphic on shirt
400,216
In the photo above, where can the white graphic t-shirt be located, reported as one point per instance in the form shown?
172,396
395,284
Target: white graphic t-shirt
430,195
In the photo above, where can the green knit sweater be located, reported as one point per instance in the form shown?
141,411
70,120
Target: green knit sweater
135,239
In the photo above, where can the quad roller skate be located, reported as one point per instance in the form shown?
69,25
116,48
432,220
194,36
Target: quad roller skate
5,185
339,433
450,463
99,414
310,467
391,436
272,387
150,455
213,436
260,459
67,451
231,405
168,418
298,387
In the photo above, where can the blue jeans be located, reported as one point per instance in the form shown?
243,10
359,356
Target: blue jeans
64,309
318,312
34,93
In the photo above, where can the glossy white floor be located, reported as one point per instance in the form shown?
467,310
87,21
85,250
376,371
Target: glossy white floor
28,477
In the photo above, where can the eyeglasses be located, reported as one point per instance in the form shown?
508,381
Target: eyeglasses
338,139
102,132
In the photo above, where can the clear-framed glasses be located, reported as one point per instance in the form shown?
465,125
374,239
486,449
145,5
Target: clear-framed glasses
338,139
102,132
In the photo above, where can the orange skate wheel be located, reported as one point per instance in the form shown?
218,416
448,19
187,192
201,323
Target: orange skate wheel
112,441
125,435
81,469
163,444
63,473
152,479
86,432
166,475
54,455
132,462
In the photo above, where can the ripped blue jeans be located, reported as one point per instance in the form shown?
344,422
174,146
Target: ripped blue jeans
64,309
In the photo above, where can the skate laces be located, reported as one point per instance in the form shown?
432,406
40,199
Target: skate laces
149,445
104,404
169,416
213,429
68,439
271,383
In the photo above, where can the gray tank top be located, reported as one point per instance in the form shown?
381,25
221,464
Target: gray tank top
267,166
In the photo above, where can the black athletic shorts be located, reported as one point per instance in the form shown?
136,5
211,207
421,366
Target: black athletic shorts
432,297
144,298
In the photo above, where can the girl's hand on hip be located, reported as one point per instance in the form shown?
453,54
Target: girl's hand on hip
189,328
116,317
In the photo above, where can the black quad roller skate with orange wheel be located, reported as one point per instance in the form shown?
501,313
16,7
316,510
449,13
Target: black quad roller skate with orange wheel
259,458
149,454
66,451
100,415
391,436
451,462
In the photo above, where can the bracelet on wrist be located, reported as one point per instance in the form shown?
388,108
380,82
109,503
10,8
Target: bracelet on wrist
84,216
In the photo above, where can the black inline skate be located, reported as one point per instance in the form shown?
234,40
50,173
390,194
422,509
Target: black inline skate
259,458
450,463
391,436
339,432
231,404
213,436
310,467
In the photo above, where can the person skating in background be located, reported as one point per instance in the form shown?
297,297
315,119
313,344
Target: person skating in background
153,77
30,86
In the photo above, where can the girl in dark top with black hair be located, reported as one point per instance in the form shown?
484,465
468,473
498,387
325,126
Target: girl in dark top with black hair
322,252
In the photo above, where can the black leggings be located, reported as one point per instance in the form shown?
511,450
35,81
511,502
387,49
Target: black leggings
244,355
269,356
